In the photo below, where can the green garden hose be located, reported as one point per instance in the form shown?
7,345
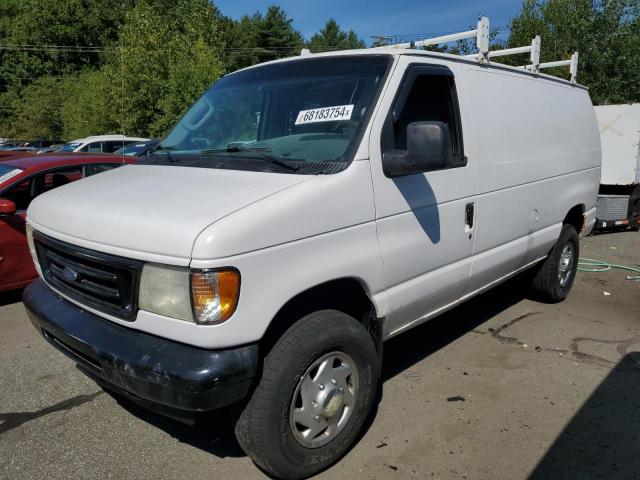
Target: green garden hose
591,265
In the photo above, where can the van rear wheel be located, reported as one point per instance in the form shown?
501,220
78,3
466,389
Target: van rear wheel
317,388
554,278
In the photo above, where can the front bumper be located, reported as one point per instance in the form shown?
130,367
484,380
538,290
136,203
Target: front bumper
150,369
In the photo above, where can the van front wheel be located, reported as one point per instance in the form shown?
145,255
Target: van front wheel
318,385
554,278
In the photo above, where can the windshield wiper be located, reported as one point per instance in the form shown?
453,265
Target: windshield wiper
262,153
232,148
162,148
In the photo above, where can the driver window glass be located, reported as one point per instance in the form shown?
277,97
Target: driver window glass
110,147
100,167
432,98
20,194
23,193
59,178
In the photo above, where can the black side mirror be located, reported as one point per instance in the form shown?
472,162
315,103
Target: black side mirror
428,148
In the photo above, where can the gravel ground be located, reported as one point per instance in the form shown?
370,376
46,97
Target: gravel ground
502,387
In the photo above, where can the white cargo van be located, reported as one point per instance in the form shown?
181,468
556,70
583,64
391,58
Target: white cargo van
302,212
99,144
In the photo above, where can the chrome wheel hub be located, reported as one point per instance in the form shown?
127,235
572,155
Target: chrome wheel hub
324,399
565,266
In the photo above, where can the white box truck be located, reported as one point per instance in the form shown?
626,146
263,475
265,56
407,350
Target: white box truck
302,212
619,199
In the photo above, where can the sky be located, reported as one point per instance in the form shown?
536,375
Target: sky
407,18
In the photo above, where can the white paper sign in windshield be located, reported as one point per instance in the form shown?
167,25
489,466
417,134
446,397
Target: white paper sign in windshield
9,175
325,114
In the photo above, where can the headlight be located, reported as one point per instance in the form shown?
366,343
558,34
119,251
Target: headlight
32,248
206,297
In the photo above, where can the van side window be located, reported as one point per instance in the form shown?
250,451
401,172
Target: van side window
112,146
93,147
427,97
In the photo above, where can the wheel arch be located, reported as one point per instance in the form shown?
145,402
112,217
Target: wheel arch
575,217
347,294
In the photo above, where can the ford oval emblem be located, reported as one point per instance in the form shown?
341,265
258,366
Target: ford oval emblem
69,274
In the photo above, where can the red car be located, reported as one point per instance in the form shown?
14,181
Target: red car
23,178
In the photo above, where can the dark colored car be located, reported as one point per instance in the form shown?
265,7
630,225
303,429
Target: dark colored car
22,178
15,151
40,144
22,149
10,144
137,149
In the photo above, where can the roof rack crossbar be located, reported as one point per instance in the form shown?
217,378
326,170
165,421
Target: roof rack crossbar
533,50
480,33
559,63
571,63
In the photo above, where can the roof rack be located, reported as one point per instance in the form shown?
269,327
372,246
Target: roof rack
571,63
481,34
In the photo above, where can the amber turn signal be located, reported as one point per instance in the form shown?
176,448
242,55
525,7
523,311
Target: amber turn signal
214,295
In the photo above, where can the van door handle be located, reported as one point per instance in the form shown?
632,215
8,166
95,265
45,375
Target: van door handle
468,215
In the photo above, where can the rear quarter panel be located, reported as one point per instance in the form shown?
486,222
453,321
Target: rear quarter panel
539,156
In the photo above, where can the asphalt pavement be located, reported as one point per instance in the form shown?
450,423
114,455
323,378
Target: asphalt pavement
502,387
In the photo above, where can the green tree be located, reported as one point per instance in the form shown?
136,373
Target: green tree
331,37
241,41
163,63
91,109
49,38
606,35
259,38
39,110
276,37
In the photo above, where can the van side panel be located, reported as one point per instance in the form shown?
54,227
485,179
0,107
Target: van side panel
538,154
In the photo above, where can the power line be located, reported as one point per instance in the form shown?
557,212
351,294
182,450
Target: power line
89,49
14,48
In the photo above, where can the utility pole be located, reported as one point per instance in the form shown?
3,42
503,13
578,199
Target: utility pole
381,40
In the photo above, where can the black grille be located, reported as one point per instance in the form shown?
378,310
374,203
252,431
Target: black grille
105,282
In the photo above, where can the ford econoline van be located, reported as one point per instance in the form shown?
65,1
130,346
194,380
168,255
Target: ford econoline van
300,214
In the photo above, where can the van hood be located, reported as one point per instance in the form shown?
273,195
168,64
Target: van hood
152,209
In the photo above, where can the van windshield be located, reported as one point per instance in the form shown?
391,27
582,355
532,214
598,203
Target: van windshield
301,113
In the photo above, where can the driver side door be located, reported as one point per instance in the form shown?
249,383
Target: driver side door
16,265
425,221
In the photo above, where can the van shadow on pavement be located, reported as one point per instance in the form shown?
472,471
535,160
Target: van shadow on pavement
602,440
214,432
404,351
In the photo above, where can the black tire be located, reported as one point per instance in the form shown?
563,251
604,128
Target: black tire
263,429
546,283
